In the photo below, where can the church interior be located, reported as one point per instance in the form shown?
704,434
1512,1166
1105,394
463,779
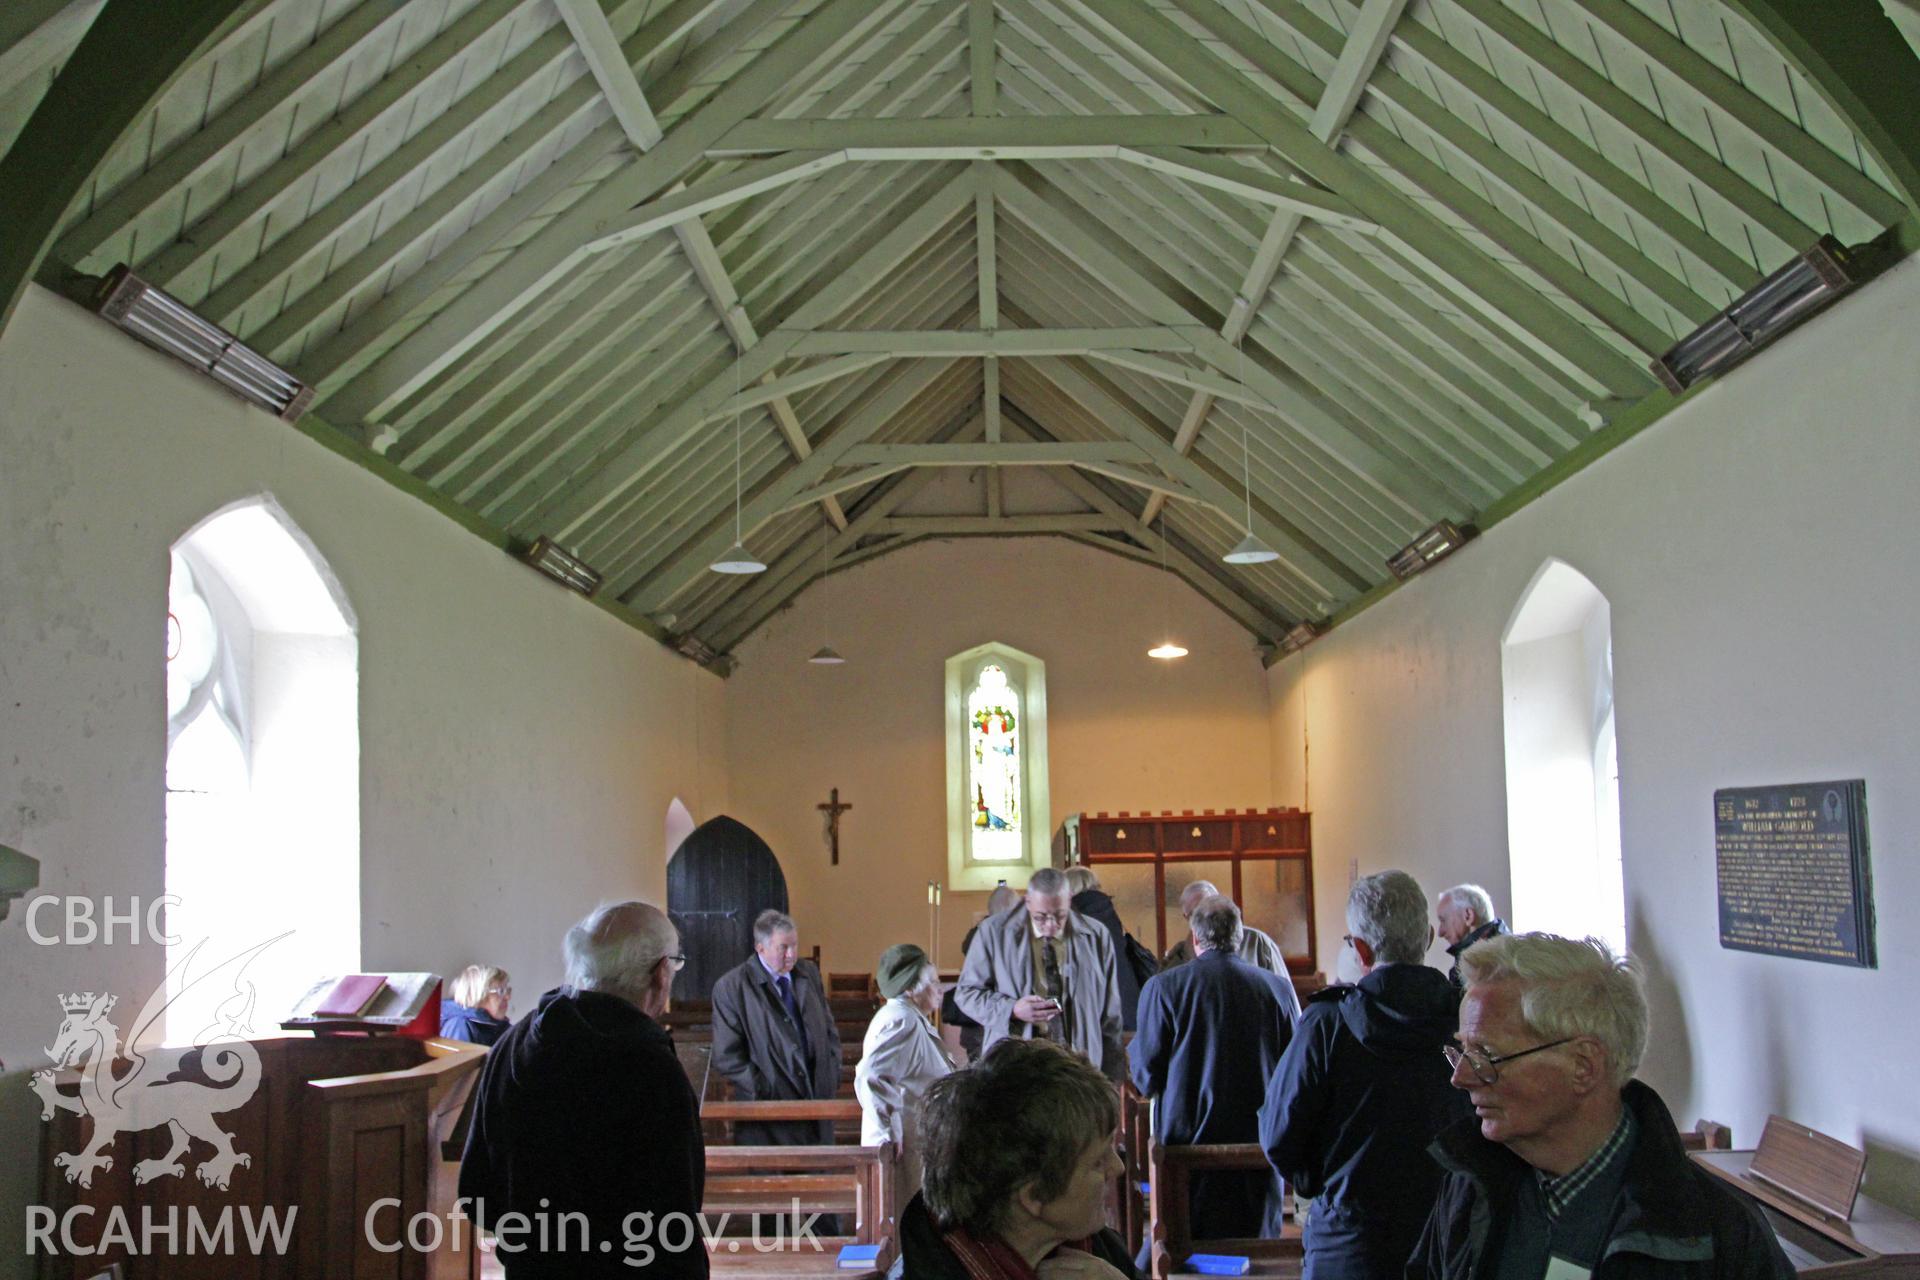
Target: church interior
451,450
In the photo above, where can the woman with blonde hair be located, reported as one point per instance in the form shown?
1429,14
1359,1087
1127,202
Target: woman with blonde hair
474,1006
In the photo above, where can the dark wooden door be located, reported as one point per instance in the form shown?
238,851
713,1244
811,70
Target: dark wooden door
721,877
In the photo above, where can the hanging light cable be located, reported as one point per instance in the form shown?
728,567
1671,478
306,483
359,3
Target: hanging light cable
826,655
737,559
1249,550
1166,650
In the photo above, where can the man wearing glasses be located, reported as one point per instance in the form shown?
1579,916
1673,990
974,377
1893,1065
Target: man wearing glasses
582,1112
1037,970
1570,1165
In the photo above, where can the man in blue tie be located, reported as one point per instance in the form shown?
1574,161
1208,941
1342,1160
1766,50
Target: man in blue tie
773,1033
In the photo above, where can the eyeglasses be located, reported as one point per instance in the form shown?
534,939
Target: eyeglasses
1486,1066
1056,917
499,991
678,962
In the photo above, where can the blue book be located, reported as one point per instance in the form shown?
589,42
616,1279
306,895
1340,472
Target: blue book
1219,1264
861,1257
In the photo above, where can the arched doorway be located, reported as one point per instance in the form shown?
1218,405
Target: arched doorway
721,877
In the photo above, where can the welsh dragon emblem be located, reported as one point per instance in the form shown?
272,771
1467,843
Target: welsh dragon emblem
143,1089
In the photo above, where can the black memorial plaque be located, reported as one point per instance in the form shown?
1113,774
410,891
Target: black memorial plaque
1793,872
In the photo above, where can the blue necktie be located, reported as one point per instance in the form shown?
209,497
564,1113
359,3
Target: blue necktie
785,985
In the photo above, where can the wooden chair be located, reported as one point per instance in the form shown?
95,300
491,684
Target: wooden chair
1169,1177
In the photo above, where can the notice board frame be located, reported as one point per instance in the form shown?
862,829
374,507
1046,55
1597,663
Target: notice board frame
1747,820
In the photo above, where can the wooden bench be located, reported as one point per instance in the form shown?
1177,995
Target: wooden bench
755,1184
1170,1170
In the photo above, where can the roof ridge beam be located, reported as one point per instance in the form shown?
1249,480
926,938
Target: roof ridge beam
974,137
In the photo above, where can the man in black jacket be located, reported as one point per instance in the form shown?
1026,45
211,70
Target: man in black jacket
1363,1089
774,1035
1211,1033
1572,1167
585,1138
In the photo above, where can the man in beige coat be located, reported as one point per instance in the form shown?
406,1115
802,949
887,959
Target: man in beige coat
1038,970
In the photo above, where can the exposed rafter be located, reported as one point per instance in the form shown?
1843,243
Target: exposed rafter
608,63
1366,43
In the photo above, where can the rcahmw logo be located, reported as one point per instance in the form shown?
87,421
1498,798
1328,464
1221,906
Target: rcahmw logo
130,1089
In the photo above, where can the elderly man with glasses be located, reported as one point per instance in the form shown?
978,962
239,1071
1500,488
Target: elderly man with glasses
1362,1090
1036,970
583,1117
1570,1166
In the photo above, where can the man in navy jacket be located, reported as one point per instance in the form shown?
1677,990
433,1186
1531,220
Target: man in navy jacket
1364,1088
1210,1034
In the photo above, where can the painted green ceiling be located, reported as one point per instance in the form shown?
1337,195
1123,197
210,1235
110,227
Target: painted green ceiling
977,267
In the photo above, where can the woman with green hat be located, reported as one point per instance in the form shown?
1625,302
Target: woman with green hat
901,1055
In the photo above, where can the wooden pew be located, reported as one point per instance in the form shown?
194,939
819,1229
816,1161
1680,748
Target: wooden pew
1168,1171
1169,1175
853,1182
1136,1136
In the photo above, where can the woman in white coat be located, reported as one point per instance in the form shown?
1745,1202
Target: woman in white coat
901,1055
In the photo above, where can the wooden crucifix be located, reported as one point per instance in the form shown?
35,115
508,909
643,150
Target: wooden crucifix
833,809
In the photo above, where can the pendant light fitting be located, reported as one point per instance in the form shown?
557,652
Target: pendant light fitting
1250,549
736,559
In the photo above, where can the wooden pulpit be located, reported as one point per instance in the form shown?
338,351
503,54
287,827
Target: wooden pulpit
335,1126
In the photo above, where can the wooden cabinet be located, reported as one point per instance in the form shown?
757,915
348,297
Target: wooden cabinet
1262,858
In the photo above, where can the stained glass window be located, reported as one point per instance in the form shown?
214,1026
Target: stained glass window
994,729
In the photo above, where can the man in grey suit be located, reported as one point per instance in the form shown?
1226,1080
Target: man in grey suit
1038,970
773,1033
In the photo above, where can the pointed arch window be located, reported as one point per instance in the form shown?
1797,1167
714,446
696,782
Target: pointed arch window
997,810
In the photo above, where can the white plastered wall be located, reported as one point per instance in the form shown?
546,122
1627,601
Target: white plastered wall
1756,549
518,747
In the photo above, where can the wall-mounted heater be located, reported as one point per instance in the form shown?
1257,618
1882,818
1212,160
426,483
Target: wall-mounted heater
1785,298
1302,635
1431,547
164,323
565,568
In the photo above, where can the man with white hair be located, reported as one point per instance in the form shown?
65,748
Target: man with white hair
1038,970
582,1109
1256,947
1570,1164
1363,1089
1465,916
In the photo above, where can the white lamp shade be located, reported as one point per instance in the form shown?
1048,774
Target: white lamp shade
1250,550
737,559
1167,650
826,657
